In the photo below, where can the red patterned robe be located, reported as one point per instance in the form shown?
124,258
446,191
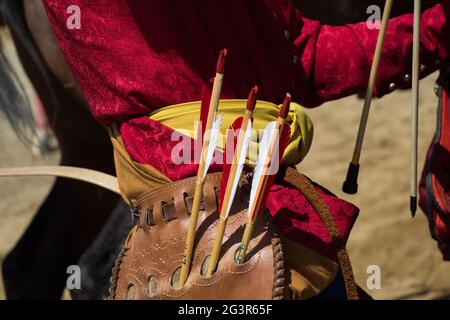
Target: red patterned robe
132,57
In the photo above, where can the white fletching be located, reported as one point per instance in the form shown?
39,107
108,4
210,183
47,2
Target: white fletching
215,130
264,149
240,164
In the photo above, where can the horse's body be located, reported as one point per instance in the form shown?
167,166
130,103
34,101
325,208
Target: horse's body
73,213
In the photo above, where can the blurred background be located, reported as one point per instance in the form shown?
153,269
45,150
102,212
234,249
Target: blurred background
384,235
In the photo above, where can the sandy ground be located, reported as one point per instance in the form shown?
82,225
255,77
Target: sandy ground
384,235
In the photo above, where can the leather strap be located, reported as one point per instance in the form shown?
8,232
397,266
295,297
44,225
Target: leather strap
305,186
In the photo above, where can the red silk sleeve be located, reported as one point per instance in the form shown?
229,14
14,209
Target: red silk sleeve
337,60
131,57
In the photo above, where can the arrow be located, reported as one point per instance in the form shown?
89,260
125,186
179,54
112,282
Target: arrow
231,175
350,185
275,139
415,106
208,147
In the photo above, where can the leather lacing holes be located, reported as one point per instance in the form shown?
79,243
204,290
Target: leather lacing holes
236,255
217,193
152,286
202,206
168,210
204,267
163,211
149,217
135,213
131,292
175,278
188,202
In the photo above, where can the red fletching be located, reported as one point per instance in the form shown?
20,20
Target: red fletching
204,109
232,137
284,139
283,143
221,61
252,96
285,107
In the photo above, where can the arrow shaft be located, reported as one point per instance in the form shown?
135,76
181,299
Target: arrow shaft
371,84
268,162
261,193
217,246
237,154
228,199
415,104
193,219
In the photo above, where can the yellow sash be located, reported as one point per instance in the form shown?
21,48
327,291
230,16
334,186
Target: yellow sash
183,118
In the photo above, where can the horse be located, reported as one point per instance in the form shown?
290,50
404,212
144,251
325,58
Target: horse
73,213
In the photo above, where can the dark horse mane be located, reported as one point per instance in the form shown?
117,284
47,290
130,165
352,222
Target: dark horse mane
14,101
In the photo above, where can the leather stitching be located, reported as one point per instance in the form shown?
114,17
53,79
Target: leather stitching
305,186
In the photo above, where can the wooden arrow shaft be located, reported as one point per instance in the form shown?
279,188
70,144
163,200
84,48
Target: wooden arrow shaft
235,164
193,219
262,186
415,98
371,84
268,162
227,196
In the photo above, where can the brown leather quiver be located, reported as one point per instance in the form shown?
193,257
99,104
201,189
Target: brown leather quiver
150,263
